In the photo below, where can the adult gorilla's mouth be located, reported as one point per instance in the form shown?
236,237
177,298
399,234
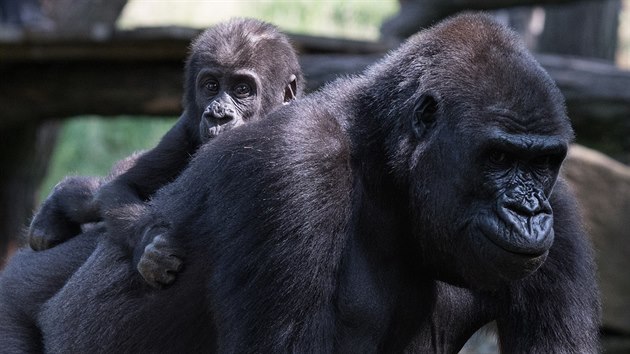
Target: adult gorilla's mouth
515,234
507,263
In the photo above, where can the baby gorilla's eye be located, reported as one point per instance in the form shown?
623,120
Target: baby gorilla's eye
242,90
211,86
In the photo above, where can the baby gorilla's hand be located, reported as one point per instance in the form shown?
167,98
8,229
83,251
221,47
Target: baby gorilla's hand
160,261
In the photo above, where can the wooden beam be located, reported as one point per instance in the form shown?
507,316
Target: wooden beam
150,44
598,101
140,73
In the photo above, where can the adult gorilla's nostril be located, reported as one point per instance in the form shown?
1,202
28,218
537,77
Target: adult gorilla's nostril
529,204
526,207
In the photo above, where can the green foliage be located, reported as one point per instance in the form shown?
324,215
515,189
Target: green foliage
341,18
90,145
338,18
623,50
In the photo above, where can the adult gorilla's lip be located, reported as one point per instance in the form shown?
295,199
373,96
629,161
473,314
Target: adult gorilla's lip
515,253
511,241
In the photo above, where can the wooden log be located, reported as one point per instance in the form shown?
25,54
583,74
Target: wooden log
141,73
487,4
417,14
598,101
58,89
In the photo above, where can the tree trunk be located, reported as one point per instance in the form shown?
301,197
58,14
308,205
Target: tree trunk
25,154
588,29
27,144
415,15
92,18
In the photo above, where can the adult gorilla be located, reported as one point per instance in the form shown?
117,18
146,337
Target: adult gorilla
398,210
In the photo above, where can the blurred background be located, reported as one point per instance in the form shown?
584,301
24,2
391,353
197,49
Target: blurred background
84,83
90,145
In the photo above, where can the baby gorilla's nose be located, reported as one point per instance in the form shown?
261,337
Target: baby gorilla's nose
218,110
219,113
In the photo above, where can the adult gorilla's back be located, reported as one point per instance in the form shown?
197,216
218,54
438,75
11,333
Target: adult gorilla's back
232,234
400,209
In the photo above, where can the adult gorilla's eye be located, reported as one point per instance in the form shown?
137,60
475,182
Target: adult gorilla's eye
499,157
242,90
211,86
545,162
541,161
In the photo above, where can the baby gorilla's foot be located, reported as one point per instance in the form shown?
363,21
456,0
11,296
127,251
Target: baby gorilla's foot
44,238
50,228
160,262
61,215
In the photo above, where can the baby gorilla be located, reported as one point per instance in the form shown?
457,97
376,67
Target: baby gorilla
237,72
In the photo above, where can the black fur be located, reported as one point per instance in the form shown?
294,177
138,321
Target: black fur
239,51
244,52
354,221
28,281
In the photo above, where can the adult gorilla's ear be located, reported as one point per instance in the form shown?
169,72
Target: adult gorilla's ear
290,90
424,115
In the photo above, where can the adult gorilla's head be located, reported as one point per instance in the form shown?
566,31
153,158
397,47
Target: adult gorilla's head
239,71
485,134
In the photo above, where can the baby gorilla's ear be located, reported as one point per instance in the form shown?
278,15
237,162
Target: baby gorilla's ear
290,90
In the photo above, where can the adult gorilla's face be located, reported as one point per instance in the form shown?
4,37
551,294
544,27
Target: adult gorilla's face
509,226
489,159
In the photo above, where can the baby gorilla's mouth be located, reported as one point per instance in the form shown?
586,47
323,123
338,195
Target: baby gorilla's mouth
219,126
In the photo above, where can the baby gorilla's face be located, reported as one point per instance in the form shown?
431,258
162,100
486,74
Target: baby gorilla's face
227,99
